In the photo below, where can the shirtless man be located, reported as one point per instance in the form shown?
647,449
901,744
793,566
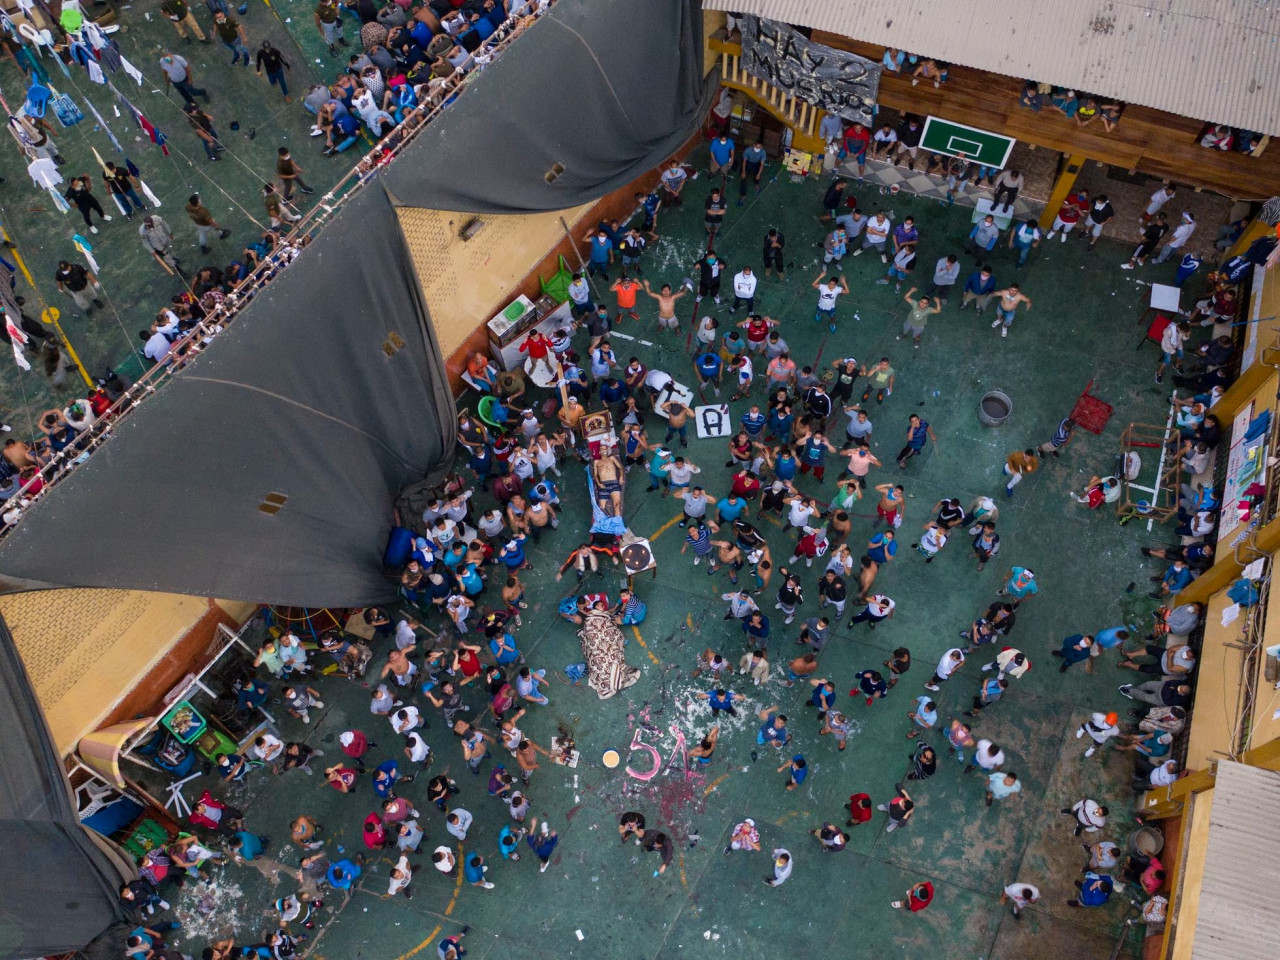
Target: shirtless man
571,415
763,560
667,319
607,474
701,754
1010,297
539,516
400,666
677,421
305,832
19,454
730,556
866,577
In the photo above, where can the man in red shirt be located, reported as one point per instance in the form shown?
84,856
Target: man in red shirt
745,485
355,745
856,140
860,809
1069,214
918,897
538,346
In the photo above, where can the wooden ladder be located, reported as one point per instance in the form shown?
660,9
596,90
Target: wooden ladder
803,118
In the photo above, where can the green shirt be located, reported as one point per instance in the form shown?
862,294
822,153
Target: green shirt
919,316
881,377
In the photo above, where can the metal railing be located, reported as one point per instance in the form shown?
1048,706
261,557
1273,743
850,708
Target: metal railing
441,93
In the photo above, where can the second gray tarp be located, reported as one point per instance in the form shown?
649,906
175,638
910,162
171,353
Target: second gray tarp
607,89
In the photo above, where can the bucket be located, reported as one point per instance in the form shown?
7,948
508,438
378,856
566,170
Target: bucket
994,408
1147,841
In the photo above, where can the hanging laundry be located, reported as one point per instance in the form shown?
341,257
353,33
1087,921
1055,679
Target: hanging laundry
156,136
59,200
65,109
86,250
81,54
18,339
131,70
95,72
96,36
44,173
109,56
103,124
146,192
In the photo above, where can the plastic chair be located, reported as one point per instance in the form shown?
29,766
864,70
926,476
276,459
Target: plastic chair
37,100
485,411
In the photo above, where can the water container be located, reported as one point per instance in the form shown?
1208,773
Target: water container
994,408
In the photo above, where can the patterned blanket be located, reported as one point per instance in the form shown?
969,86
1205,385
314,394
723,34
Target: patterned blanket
607,668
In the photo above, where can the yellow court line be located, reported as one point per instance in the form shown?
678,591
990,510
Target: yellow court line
683,881
714,783
665,527
640,640
448,911
436,932
17,257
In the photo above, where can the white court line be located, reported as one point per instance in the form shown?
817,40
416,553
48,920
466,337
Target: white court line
621,336
1168,425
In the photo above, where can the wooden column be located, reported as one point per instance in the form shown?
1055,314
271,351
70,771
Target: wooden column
1062,188
1252,232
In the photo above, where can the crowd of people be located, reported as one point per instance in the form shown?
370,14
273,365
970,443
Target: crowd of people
406,62
463,576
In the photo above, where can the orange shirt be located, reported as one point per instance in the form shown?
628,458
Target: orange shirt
626,294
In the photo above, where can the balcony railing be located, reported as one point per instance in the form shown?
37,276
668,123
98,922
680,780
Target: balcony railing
441,94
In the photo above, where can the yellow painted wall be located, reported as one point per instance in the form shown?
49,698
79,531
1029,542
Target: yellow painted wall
466,283
1186,910
1264,727
1218,678
237,610
85,649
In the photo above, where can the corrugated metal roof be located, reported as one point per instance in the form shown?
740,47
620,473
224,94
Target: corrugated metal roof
1214,60
1242,867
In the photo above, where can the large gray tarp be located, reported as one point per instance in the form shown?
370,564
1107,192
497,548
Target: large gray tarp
607,90
329,390
59,887
297,397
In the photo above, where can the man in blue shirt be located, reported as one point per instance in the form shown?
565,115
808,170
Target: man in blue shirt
756,626
752,169
1176,579
918,431
343,874
984,236
601,253
721,699
709,369
649,204
774,729
980,286
754,422
722,154
1026,236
